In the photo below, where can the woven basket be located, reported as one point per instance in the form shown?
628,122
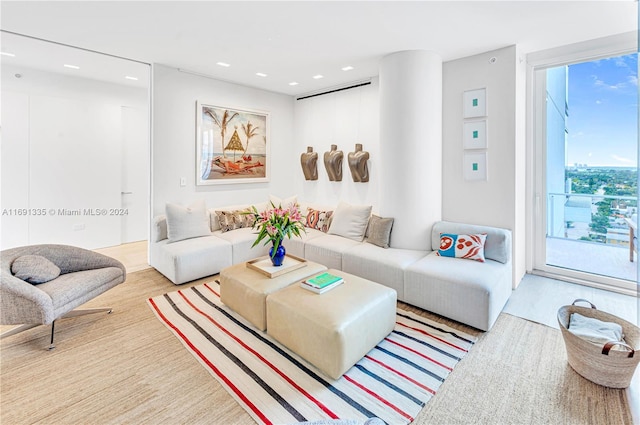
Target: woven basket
599,363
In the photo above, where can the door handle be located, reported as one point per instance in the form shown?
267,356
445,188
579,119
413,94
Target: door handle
126,193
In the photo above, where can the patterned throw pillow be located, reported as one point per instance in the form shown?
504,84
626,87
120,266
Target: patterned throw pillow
319,220
231,220
470,247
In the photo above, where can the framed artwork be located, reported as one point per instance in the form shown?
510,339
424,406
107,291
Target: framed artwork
232,145
475,134
474,103
475,166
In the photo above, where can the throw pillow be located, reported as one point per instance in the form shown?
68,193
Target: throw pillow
379,231
319,220
34,269
350,221
470,247
231,220
187,222
284,203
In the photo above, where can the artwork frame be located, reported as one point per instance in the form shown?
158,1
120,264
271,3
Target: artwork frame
214,164
474,134
474,166
474,103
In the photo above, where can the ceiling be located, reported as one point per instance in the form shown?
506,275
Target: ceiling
292,41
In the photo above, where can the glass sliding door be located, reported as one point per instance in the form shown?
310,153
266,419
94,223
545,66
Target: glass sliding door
587,173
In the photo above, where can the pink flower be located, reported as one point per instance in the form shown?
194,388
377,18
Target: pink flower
278,223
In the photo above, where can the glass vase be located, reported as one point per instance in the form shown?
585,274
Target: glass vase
278,257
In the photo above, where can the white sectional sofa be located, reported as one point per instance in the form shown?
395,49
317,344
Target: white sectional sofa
467,291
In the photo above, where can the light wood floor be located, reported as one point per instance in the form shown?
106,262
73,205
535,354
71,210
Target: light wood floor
133,255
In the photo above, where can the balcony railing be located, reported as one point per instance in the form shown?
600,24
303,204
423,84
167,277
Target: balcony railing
591,233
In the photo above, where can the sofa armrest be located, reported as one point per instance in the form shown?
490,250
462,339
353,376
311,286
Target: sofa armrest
159,228
498,244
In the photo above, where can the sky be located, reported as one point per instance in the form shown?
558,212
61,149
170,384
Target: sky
603,112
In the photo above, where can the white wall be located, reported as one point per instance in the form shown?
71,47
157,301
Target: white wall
499,201
62,150
342,118
174,140
411,144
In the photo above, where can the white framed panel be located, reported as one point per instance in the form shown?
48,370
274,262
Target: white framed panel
474,167
474,103
474,134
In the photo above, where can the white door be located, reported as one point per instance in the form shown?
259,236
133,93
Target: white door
135,174
74,171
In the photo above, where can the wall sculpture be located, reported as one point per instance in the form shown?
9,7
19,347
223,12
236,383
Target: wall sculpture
358,164
333,163
309,162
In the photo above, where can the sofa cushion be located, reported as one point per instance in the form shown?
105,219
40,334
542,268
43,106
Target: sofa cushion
350,221
187,222
295,245
379,231
385,266
232,220
470,292
280,202
190,259
34,269
328,250
319,220
241,241
470,247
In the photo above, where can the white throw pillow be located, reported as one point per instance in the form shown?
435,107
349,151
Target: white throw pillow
187,222
350,221
286,202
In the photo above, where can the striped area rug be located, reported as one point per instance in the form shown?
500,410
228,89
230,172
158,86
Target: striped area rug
392,382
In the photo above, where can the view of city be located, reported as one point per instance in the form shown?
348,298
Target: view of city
592,157
607,197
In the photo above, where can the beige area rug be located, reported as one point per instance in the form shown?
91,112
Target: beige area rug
126,368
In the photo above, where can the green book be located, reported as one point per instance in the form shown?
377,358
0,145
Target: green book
323,280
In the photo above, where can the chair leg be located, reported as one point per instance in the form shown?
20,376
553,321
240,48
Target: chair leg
53,327
72,313
18,329
76,313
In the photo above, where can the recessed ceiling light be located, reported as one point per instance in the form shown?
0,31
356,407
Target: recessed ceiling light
131,78
293,83
317,77
7,54
66,65
260,74
226,65
347,68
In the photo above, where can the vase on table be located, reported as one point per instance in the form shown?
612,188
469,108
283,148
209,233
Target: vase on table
277,257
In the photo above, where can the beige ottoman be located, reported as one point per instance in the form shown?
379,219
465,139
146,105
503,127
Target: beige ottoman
245,290
334,330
